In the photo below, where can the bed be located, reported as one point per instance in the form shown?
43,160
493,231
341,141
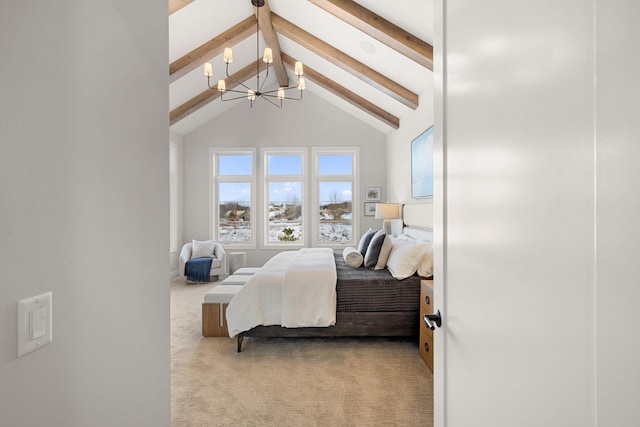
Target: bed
367,302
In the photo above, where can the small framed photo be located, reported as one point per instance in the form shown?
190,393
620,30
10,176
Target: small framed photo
372,194
369,209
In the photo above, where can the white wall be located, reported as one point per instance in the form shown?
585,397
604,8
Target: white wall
312,122
412,124
617,155
84,211
173,256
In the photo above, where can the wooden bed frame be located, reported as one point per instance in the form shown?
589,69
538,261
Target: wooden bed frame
417,220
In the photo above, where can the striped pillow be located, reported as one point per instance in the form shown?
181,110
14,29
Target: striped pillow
365,240
374,249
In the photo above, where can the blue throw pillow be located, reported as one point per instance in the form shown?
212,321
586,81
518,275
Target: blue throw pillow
365,240
373,251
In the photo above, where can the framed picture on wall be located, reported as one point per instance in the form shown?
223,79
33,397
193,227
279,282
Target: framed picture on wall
422,165
369,209
372,194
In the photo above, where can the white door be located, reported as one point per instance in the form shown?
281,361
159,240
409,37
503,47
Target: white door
537,213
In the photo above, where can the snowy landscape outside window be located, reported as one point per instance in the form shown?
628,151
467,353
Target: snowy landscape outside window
284,181
234,194
335,188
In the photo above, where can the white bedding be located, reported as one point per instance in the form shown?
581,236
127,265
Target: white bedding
293,289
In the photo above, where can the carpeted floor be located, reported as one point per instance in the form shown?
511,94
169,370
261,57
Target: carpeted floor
291,382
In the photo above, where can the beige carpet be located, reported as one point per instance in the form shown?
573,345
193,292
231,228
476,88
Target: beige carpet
291,382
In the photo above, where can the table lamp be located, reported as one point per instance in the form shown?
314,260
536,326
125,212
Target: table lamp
387,211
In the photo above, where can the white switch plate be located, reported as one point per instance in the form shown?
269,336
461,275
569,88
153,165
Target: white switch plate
34,323
38,320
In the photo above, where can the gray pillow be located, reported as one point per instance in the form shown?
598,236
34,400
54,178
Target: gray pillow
365,240
373,251
384,254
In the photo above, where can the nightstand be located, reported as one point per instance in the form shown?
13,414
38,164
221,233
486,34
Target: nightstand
426,334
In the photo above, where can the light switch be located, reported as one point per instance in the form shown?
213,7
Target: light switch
38,322
34,323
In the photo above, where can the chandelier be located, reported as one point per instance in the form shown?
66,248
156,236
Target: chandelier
275,96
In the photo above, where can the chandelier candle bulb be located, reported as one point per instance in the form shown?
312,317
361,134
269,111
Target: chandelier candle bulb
208,69
273,93
228,55
268,55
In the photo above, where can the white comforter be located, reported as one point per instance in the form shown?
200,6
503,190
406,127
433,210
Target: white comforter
293,289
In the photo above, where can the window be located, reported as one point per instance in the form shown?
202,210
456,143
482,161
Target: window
334,201
287,216
173,197
284,197
234,197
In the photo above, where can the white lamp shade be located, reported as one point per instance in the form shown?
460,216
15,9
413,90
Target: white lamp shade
387,210
228,55
208,69
268,55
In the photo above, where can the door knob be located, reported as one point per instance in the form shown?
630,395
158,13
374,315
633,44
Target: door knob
435,318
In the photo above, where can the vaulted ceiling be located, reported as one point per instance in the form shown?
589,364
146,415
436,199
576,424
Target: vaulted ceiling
370,58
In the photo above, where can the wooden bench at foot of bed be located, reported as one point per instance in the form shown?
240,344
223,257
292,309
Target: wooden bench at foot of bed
348,324
214,310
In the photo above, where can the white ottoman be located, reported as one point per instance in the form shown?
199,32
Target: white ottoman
235,279
214,310
246,271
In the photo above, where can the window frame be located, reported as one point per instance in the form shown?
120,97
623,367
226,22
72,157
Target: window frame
267,179
316,179
214,203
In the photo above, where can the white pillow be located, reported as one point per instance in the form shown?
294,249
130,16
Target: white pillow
384,254
404,257
202,248
403,237
352,257
425,266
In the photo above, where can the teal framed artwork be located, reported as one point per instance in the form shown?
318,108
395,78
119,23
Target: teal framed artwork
422,165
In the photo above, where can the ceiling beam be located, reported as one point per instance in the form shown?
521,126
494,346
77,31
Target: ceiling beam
344,61
345,94
209,95
176,5
271,40
249,71
213,47
380,29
